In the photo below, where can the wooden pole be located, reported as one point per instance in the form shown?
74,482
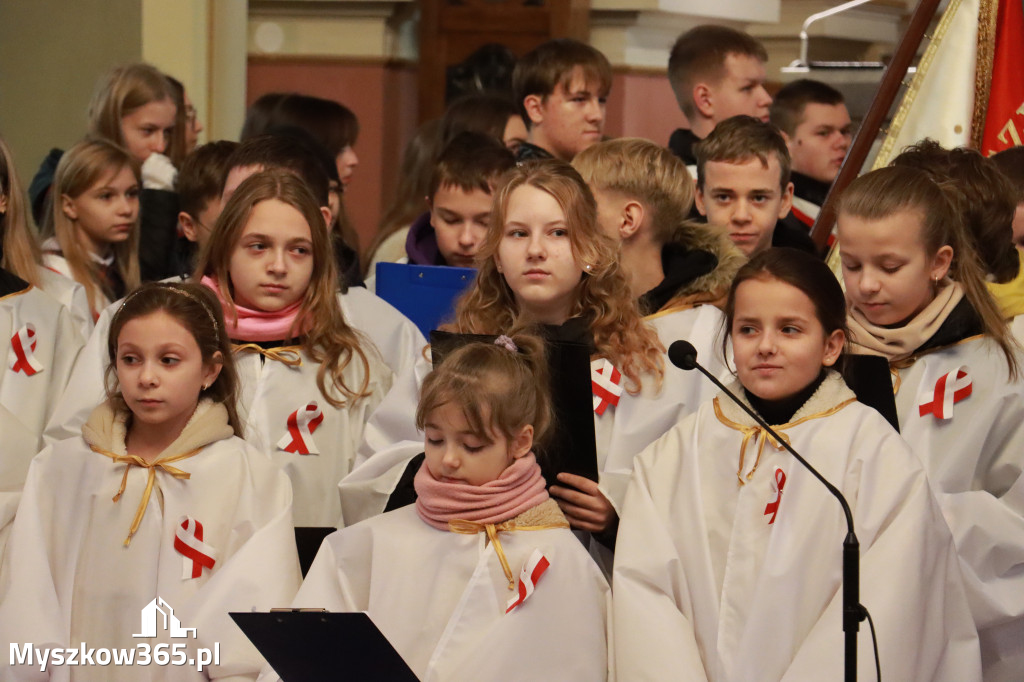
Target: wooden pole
880,105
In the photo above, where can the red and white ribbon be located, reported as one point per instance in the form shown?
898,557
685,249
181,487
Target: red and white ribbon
533,569
188,539
951,388
773,507
604,379
22,357
301,425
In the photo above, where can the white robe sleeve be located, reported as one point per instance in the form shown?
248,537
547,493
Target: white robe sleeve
85,387
71,295
397,338
652,636
390,441
975,464
26,400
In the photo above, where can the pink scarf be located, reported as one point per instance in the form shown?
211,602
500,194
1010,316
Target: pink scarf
256,325
520,487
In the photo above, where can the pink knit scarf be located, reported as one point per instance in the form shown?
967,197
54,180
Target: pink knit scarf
520,487
256,325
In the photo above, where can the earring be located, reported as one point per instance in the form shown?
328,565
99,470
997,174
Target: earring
498,267
589,267
205,386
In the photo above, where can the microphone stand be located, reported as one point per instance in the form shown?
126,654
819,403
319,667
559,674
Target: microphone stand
853,612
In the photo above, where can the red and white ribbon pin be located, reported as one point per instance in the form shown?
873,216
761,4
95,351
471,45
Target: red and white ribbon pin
533,569
188,539
22,357
951,388
301,425
773,507
604,379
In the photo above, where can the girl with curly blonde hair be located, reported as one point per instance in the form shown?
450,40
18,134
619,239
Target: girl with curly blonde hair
545,265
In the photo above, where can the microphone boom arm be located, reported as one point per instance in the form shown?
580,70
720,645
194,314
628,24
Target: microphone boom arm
853,611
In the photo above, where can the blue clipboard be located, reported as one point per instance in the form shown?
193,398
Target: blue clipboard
426,294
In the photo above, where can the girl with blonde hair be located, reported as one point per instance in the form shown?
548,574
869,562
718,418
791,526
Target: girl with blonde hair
22,255
134,106
917,296
309,380
95,221
40,338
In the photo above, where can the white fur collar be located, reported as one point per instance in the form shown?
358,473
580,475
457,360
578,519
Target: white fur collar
833,392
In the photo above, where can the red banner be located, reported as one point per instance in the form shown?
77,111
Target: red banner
1004,118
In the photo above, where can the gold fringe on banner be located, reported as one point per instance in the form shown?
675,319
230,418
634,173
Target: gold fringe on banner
886,152
988,12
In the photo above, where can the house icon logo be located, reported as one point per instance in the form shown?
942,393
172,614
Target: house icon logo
159,615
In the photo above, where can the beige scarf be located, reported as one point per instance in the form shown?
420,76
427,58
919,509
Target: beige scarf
106,433
900,342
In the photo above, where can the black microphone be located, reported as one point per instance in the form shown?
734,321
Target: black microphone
683,355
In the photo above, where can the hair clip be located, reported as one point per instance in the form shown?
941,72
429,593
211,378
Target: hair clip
506,343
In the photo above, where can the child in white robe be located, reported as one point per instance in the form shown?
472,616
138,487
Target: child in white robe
21,253
309,379
199,519
918,297
95,217
728,560
481,579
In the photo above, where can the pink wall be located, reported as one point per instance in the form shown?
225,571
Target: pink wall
382,96
641,104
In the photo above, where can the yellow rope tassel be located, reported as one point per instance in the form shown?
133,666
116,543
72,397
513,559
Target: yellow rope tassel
135,460
287,355
472,528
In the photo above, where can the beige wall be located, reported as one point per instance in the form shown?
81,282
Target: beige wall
51,53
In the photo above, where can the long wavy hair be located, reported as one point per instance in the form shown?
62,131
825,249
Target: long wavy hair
22,255
328,339
940,207
81,167
603,295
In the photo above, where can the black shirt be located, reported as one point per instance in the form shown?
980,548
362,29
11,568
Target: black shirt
681,266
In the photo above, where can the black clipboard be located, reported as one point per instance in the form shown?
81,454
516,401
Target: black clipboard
308,646
572,446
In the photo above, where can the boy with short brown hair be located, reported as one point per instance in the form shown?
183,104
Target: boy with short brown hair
743,185
815,123
716,72
459,203
561,87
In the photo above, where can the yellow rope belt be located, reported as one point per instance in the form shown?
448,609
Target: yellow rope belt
472,528
288,355
135,460
762,437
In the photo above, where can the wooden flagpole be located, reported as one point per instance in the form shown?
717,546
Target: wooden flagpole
880,105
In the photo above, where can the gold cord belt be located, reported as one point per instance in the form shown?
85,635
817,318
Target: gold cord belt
135,460
287,355
472,528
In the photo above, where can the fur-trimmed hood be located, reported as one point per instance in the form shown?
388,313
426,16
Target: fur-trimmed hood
713,287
